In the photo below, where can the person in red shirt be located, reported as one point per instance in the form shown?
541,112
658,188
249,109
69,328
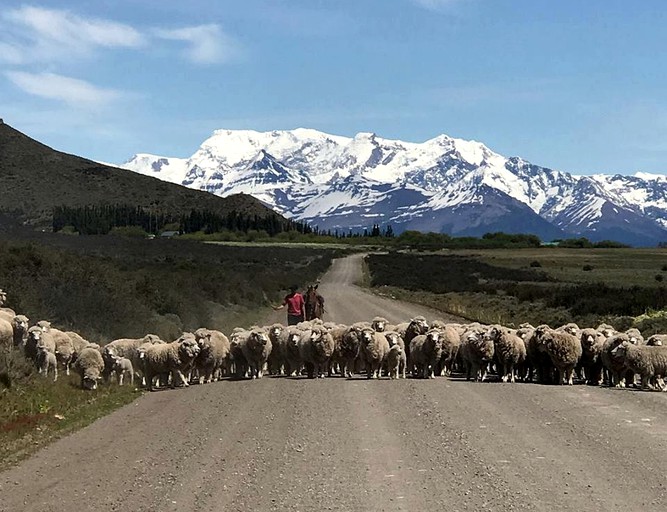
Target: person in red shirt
296,306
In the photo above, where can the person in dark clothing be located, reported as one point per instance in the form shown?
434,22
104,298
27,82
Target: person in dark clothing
296,306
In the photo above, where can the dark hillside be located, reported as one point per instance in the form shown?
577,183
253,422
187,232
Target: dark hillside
35,178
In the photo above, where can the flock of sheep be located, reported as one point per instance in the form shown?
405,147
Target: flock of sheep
418,348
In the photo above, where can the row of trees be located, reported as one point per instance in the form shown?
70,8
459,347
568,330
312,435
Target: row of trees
101,219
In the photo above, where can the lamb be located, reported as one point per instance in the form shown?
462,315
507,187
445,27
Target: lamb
563,349
213,357
276,361
20,326
374,348
650,362
396,356
509,350
89,365
617,371
46,361
477,352
256,348
316,351
425,353
123,366
592,343
170,358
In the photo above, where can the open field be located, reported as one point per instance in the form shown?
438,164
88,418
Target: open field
624,287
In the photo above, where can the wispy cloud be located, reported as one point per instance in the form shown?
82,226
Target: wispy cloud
39,34
207,44
74,92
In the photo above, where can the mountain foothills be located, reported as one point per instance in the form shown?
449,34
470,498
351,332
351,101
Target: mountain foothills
34,179
445,185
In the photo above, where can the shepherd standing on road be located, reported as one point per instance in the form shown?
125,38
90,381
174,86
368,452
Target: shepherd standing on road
296,306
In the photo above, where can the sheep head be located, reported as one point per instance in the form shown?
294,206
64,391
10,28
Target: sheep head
367,336
379,324
188,348
393,338
419,324
259,337
44,325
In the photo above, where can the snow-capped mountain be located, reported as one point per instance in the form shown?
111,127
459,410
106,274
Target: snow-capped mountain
444,184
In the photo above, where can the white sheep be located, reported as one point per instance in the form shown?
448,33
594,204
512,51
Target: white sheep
316,347
509,350
89,365
650,362
476,352
46,361
123,366
173,359
396,355
213,358
374,349
425,353
256,348
20,326
563,348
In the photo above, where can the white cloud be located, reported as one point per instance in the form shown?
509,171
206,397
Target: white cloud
208,44
74,92
40,34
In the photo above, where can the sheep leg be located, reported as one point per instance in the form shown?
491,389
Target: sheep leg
55,373
120,378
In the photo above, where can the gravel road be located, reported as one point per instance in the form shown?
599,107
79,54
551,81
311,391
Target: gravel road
358,445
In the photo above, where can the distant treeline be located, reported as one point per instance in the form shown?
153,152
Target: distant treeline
101,219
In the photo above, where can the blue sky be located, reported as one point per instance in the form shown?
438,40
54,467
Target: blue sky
575,85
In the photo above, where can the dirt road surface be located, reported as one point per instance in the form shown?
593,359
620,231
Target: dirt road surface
356,445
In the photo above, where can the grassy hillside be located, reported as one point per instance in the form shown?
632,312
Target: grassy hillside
35,178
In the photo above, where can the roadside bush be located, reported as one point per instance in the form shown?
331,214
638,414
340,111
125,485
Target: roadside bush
587,268
535,264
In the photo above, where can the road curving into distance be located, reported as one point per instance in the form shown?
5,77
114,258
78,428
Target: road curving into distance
357,445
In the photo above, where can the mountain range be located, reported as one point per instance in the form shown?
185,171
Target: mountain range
445,185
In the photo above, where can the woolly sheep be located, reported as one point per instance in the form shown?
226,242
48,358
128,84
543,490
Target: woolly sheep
129,348
395,358
617,371
607,330
650,362
425,353
337,364
418,325
395,340
374,347
237,338
36,338
509,350
538,362
592,343
451,343
213,357
347,347
316,351
89,365
173,358
78,342
570,328
290,342
47,361
6,333
256,349
20,326
476,352
276,361
636,337
564,350
123,366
